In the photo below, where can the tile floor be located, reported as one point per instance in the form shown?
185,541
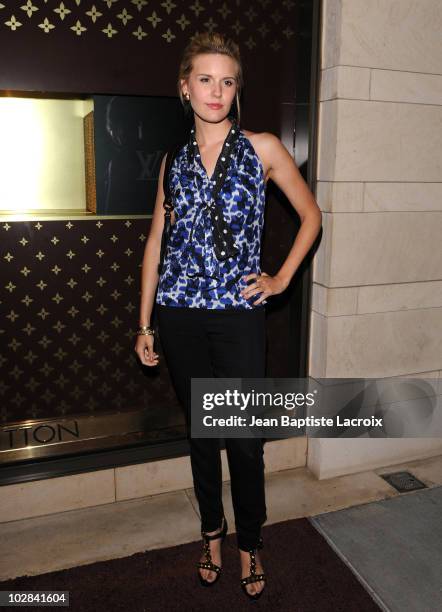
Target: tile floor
67,539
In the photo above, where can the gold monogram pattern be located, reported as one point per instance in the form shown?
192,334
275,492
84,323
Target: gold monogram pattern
69,297
263,24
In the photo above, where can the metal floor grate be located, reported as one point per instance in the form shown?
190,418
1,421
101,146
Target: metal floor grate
403,481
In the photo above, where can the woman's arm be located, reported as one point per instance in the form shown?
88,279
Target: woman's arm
151,258
144,346
284,172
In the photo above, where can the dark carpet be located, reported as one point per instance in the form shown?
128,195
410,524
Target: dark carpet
304,574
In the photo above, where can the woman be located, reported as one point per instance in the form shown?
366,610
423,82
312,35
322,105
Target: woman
211,291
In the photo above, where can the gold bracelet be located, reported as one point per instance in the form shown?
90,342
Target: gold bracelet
145,330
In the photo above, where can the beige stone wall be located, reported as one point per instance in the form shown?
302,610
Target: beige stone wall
377,291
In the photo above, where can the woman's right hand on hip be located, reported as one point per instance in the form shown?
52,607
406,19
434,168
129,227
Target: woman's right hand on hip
144,350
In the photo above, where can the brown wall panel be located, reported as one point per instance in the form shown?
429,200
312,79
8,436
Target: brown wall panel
117,61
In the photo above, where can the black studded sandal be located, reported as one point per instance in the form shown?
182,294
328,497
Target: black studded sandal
253,577
208,563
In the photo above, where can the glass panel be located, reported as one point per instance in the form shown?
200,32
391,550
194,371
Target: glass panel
95,154
42,157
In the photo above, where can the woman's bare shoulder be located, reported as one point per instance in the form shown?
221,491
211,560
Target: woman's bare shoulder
264,144
264,140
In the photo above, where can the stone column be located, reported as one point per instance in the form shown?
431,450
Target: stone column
377,292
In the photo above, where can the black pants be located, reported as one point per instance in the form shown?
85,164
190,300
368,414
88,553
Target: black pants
206,343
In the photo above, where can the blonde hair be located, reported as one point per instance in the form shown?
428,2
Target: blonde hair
209,42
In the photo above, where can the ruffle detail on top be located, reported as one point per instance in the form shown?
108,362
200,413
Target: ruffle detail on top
201,258
211,240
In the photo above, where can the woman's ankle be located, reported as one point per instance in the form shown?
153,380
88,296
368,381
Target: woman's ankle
216,530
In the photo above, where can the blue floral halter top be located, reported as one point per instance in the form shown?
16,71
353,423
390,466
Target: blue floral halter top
197,273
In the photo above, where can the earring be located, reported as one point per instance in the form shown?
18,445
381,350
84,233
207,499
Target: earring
187,96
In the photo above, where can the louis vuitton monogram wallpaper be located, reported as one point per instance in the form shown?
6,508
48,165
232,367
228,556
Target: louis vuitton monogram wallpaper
154,19
69,300
134,46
